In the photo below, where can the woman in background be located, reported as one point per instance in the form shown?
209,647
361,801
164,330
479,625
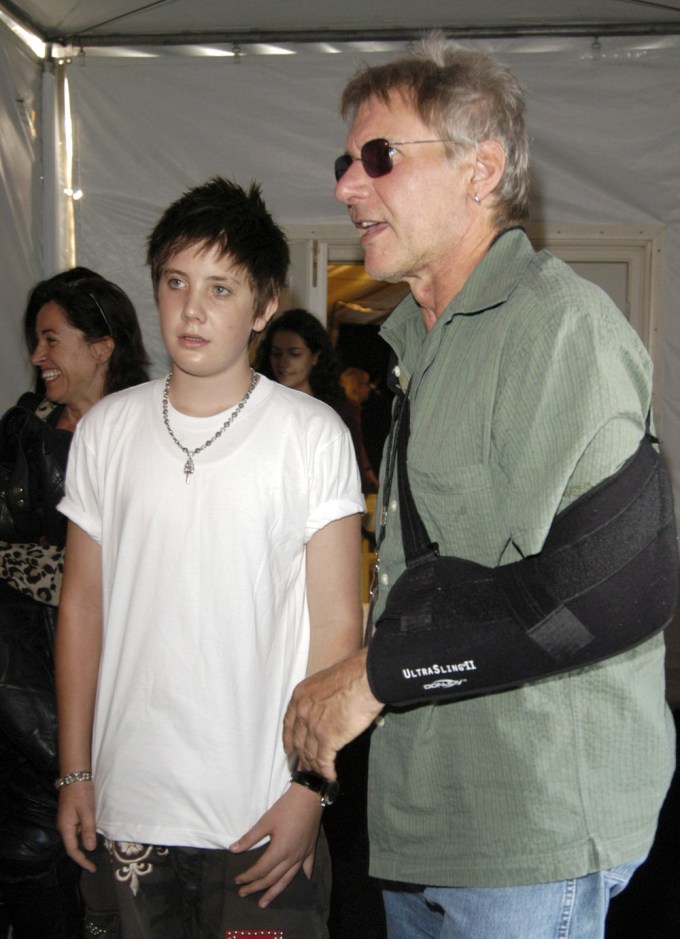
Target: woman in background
296,351
85,342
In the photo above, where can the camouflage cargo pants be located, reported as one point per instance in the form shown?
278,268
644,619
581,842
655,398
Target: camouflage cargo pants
153,892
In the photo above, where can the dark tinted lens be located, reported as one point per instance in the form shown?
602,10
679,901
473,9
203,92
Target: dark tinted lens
342,164
375,155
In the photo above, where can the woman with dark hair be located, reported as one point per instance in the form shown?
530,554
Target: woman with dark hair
84,339
39,295
86,303
296,351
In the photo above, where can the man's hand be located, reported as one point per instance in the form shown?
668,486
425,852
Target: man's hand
76,820
292,825
326,711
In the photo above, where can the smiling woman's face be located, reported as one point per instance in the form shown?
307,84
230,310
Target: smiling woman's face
70,368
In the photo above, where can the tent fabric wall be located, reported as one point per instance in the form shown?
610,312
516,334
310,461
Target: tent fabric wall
173,122
604,143
20,205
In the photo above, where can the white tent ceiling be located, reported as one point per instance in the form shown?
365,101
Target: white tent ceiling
134,22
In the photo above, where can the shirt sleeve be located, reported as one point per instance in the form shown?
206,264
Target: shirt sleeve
335,490
572,405
82,491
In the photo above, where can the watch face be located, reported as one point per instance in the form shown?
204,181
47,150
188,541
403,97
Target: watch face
330,792
327,790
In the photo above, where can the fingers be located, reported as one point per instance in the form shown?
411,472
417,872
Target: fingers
313,753
72,846
323,763
295,729
249,840
273,880
266,872
314,749
88,833
327,710
293,826
83,860
76,824
308,865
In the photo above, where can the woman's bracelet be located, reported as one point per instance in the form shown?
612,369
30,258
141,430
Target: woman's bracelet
70,778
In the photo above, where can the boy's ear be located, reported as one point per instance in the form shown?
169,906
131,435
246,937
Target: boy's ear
260,321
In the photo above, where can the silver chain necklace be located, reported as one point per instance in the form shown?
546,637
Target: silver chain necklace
190,454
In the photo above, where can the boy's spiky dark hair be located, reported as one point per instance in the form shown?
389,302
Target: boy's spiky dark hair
221,214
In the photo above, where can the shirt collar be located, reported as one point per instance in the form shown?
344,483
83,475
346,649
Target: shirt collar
489,285
495,277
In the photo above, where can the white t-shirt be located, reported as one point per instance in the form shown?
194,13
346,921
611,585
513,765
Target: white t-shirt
206,630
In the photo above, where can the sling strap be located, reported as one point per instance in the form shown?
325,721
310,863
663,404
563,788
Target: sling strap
604,582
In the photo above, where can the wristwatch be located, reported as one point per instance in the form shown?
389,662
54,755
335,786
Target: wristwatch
327,789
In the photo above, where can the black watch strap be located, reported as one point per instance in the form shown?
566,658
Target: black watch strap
326,789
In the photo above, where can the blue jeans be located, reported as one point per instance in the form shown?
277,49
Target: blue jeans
566,909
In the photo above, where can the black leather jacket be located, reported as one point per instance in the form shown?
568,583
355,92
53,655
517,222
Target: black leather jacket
33,456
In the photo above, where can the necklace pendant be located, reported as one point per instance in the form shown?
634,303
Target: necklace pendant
189,465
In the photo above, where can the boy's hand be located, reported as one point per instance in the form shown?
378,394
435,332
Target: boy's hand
292,824
76,822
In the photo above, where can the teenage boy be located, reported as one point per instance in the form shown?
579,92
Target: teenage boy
212,562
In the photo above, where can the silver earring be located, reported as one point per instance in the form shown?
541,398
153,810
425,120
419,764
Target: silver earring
476,198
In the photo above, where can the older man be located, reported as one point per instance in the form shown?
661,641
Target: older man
514,814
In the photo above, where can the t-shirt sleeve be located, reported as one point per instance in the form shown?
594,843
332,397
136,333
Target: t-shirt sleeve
82,491
335,486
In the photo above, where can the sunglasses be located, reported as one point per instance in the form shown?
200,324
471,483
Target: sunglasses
376,155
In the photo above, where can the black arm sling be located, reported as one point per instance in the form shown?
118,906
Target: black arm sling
604,582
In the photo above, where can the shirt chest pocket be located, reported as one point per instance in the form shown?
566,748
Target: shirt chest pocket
460,508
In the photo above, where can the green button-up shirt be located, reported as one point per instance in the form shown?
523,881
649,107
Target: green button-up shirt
530,389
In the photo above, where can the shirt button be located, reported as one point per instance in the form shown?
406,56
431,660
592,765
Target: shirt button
384,580
393,505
